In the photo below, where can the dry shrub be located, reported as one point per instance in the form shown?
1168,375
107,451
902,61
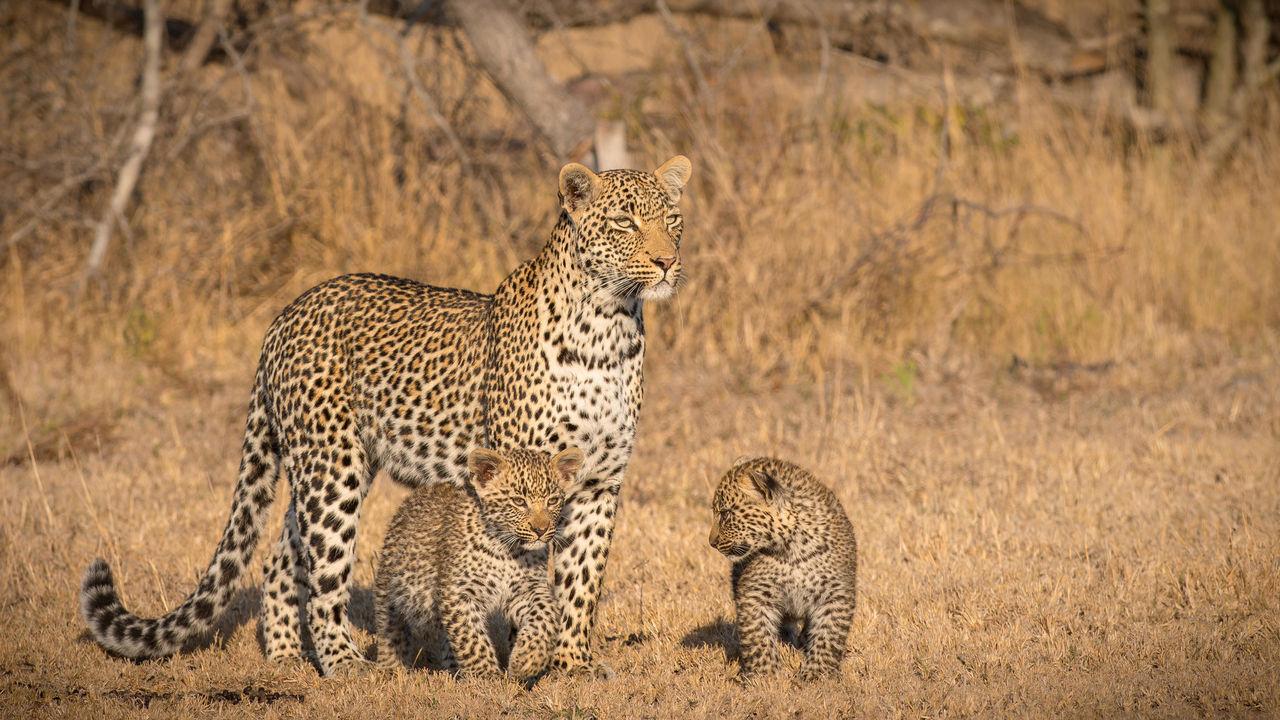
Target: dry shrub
820,231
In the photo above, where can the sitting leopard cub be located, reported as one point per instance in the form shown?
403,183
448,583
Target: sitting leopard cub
454,557
795,559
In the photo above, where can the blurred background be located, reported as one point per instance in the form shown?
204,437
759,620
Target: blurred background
1005,275
1059,192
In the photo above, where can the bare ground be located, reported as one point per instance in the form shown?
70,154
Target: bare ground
1110,550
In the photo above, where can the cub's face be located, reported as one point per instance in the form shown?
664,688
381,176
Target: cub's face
522,492
747,514
629,226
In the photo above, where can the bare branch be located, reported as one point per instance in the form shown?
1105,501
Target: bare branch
409,65
504,48
689,55
206,33
141,145
1160,56
897,236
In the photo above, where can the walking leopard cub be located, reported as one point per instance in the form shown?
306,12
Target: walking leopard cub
455,557
795,560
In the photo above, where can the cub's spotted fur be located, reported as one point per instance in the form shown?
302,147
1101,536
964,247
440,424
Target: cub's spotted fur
367,372
795,559
454,557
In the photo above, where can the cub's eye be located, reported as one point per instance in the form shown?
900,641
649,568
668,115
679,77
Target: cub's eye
553,501
520,502
623,222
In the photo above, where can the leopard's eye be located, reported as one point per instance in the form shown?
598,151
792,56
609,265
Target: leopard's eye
520,502
553,501
673,220
622,222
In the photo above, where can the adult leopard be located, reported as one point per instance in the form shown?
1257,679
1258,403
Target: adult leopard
369,372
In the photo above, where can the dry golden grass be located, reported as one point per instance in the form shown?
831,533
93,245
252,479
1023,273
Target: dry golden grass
1091,530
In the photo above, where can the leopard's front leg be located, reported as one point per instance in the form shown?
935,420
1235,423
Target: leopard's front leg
587,522
535,618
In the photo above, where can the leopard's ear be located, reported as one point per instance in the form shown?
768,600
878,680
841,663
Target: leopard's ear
567,463
765,484
484,465
673,175
578,188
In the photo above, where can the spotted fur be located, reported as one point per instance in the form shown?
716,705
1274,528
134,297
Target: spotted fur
455,556
795,560
368,372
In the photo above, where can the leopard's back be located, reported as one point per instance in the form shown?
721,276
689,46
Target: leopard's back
406,359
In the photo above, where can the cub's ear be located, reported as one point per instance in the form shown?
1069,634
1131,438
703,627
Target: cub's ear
672,176
484,465
567,463
765,484
578,188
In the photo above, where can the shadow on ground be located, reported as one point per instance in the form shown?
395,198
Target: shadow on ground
717,633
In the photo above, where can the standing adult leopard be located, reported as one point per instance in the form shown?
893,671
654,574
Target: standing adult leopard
368,372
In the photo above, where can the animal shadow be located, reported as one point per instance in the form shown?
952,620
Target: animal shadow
717,633
721,632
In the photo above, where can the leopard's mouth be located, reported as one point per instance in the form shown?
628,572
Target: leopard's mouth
529,541
660,290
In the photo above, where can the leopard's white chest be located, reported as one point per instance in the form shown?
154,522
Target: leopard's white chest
595,378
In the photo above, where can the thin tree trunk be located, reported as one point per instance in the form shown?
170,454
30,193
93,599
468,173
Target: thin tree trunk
506,51
215,13
1159,56
141,145
1222,64
1257,32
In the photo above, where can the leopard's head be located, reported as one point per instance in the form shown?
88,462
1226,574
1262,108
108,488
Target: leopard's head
628,226
521,492
751,510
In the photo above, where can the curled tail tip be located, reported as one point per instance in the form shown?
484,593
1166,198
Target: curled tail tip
98,596
98,573
96,582
112,626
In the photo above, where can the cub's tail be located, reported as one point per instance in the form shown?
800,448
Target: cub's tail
123,633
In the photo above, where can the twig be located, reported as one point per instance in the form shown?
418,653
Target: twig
141,145
35,465
229,118
824,66
408,63
59,191
55,195
205,35
689,55
920,217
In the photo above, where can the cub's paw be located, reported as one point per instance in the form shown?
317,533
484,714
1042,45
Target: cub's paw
525,666
596,669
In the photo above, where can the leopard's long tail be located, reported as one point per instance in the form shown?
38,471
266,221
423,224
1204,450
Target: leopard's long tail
123,633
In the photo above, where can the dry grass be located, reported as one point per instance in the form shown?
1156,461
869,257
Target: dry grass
1093,530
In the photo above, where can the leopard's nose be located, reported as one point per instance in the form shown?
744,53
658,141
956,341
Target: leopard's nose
665,262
